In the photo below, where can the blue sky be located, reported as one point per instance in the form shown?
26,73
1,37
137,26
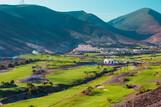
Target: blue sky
105,9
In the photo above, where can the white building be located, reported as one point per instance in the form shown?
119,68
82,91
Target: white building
35,52
110,62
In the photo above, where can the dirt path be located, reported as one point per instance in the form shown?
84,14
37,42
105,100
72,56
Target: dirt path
118,78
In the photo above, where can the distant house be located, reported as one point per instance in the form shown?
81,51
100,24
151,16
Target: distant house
110,62
35,52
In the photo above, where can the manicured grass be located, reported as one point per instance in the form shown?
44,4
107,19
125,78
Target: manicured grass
90,54
72,75
63,58
103,97
17,73
147,77
142,58
58,64
128,68
74,98
51,57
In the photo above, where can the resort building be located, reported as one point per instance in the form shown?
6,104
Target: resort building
110,62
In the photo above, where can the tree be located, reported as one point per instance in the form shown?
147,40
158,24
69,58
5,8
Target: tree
12,82
88,91
31,88
48,83
8,84
2,66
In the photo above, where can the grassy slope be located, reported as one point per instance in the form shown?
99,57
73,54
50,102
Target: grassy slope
72,75
62,58
102,98
51,57
74,96
147,77
18,73
111,93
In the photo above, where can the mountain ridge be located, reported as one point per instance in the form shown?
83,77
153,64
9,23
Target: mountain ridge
145,22
37,26
28,27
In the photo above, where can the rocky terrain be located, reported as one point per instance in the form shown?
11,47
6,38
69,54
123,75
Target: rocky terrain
148,99
24,28
144,23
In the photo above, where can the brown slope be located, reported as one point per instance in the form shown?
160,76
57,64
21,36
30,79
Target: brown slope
108,35
155,39
144,22
24,26
149,99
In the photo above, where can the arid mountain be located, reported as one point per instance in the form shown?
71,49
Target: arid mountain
155,39
28,27
126,33
117,36
144,23
87,17
24,28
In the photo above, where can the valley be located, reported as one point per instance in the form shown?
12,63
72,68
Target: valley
25,28
51,58
65,80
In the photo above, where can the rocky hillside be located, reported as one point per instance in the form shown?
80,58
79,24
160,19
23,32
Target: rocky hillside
24,28
87,17
28,27
149,99
144,23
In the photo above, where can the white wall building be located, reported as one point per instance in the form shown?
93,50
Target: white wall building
110,62
35,52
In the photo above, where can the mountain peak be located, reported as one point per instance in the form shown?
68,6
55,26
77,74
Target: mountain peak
81,11
144,22
87,17
145,9
77,13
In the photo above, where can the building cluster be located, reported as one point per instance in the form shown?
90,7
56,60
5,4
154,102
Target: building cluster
116,51
110,62
86,48
130,51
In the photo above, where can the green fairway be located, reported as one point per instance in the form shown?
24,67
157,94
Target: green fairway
113,88
17,73
147,77
75,74
73,97
110,94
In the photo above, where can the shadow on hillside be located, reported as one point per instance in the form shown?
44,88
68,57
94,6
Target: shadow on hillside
12,96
